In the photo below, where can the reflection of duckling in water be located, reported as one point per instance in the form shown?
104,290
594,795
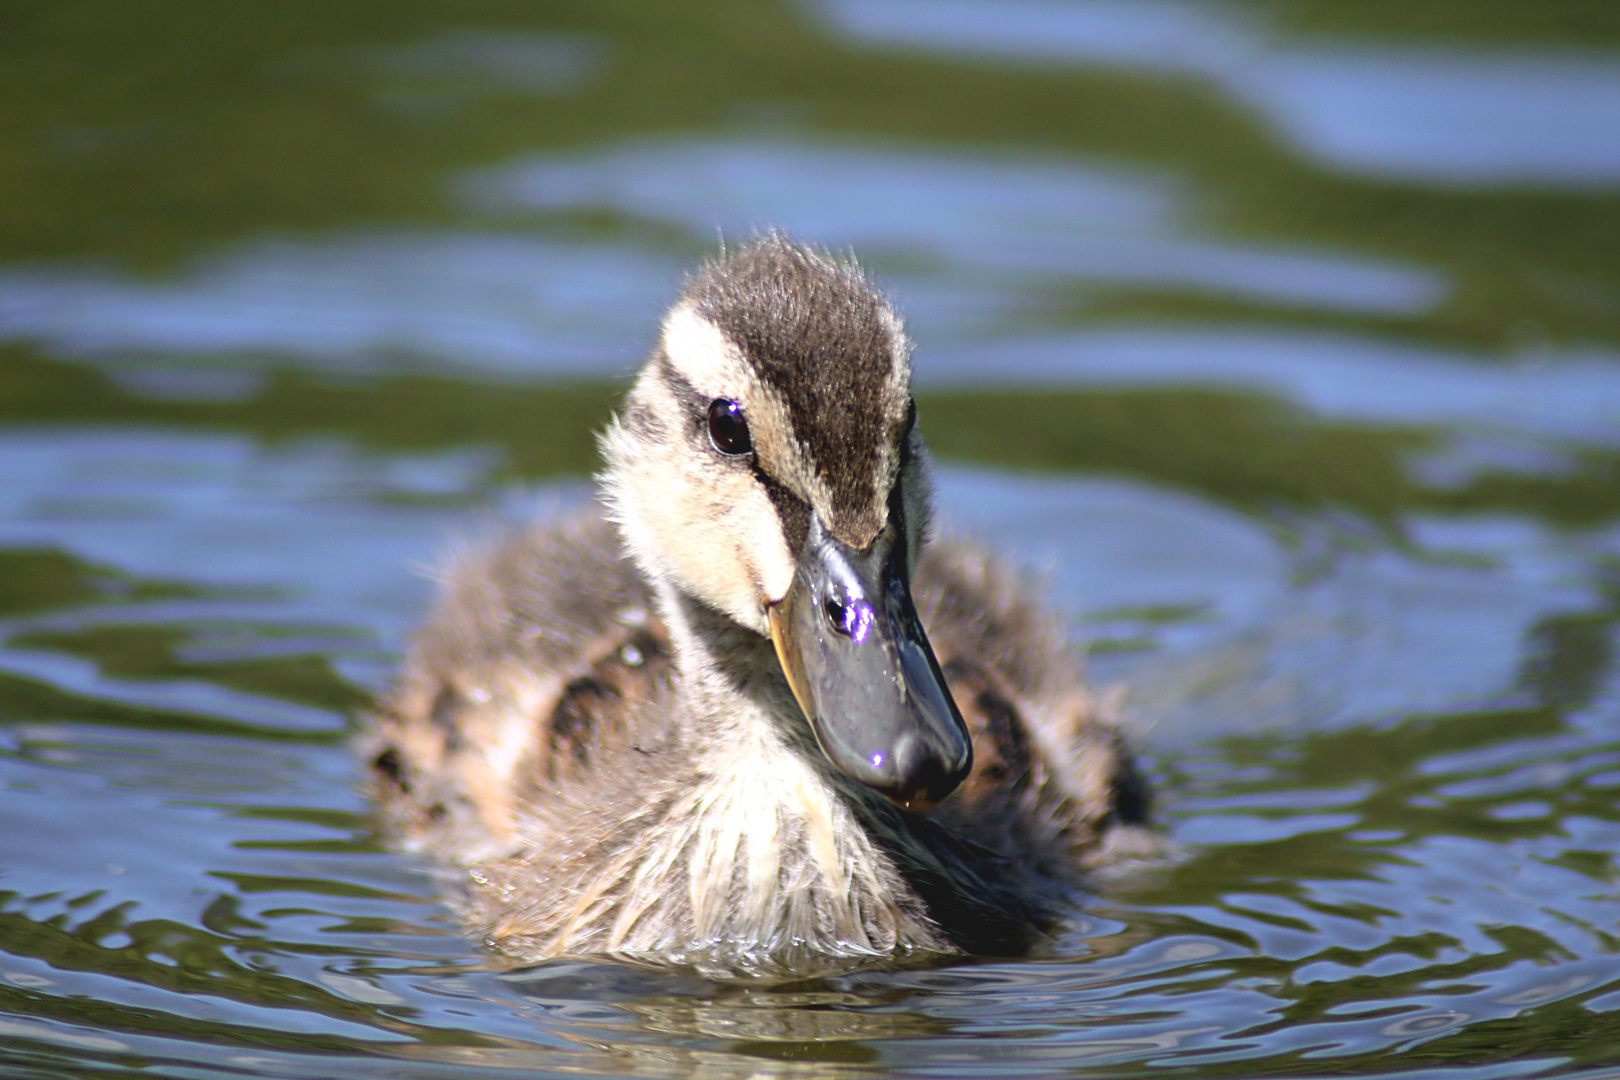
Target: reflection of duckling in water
735,746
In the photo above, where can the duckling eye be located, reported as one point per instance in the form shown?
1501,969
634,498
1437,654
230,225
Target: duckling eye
728,431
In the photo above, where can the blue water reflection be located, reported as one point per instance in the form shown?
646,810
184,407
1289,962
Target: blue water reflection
1466,118
1432,115
1005,223
1573,394
996,234
497,301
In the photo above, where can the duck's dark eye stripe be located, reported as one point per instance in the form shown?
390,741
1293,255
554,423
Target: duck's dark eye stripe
794,511
728,430
683,391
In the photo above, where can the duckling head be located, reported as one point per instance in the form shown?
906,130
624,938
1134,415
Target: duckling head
767,466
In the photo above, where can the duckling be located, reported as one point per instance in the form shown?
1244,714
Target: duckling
745,716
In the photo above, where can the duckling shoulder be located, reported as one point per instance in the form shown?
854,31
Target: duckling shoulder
1054,787
542,653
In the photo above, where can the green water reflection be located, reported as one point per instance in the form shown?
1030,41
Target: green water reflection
1247,450
149,133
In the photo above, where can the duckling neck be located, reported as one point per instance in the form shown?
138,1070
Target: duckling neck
737,694
780,854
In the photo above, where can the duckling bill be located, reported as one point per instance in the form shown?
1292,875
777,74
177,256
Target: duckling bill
705,724
854,652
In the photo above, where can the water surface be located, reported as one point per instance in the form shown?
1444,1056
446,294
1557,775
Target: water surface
1282,341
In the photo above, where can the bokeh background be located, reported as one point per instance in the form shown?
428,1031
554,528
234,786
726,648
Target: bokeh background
1282,338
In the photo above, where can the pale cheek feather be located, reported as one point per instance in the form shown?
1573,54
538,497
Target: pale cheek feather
678,509
704,512
774,567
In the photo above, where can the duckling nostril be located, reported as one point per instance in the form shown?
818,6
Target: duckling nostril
836,614
852,620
